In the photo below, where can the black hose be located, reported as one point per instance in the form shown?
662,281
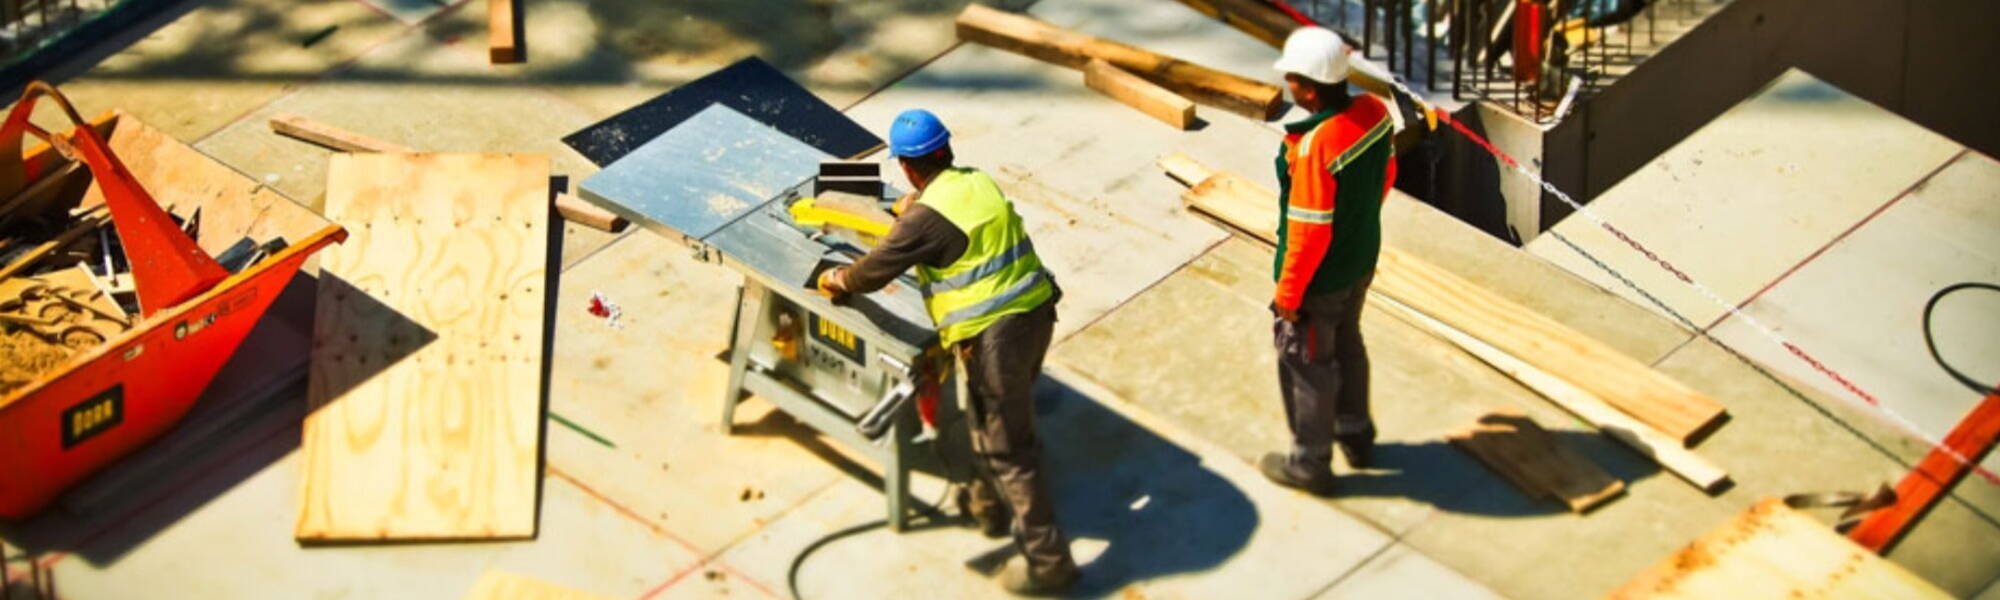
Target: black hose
1975,385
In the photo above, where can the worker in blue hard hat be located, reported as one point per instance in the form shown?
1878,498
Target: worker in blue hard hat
995,307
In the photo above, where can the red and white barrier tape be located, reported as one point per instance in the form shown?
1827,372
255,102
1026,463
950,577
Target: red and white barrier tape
1770,334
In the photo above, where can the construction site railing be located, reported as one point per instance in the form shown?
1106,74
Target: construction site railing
1466,43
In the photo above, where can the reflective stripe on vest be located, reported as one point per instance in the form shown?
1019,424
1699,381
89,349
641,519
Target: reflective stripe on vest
998,274
986,269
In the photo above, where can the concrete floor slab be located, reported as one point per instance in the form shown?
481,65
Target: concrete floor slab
225,58
1752,194
1105,219
609,56
653,387
1165,519
1402,572
584,544
1786,438
421,93
1859,306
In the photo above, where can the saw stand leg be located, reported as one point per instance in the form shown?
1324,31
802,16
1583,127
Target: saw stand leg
896,474
750,299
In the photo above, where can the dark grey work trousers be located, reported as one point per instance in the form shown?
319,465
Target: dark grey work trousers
1001,365
1323,374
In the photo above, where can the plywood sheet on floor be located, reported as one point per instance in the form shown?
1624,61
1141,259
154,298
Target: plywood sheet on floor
417,92
1771,551
427,372
223,58
1752,194
1859,307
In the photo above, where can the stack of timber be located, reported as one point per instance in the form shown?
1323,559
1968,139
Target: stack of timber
1526,455
1654,414
1772,551
573,209
1042,41
427,368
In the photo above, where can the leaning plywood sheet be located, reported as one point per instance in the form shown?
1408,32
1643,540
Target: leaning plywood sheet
1771,551
428,352
1527,456
1633,387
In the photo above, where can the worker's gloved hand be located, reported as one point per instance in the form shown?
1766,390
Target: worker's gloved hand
830,284
1288,314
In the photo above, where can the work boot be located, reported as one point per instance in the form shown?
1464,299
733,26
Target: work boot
1017,579
1359,452
989,517
1279,468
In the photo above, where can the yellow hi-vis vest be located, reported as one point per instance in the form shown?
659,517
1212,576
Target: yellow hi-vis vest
999,273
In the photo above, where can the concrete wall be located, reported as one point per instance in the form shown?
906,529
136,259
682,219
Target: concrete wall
1930,61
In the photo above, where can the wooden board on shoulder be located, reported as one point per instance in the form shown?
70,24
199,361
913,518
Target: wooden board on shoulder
427,360
1631,386
1772,551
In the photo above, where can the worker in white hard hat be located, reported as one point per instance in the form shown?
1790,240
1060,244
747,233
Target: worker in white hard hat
1334,170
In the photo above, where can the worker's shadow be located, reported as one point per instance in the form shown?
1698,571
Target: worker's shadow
1447,478
1114,481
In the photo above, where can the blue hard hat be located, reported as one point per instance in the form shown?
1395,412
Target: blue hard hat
917,132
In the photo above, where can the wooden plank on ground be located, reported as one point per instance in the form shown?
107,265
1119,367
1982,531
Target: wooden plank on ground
501,24
1526,455
308,130
1036,39
1972,439
1157,102
1637,389
501,585
1254,17
426,371
1642,438
1772,551
578,210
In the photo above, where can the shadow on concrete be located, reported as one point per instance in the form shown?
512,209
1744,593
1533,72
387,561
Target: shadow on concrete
1447,478
1160,510
246,420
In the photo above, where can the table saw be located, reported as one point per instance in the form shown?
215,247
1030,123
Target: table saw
722,184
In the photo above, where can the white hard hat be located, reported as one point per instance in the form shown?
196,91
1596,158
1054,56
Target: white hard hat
1315,53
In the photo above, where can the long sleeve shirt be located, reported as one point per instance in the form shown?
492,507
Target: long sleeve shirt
1334,170
920,236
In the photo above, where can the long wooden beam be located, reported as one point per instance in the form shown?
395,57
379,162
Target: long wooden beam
1633,387
1157,102
1037,39
1253,17
1937,473
1642,438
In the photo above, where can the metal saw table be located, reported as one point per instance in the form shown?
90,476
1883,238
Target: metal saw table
720,183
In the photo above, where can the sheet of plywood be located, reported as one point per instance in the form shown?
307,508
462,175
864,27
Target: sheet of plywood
1674,409
426,371
501,585
1527,456
1771,551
